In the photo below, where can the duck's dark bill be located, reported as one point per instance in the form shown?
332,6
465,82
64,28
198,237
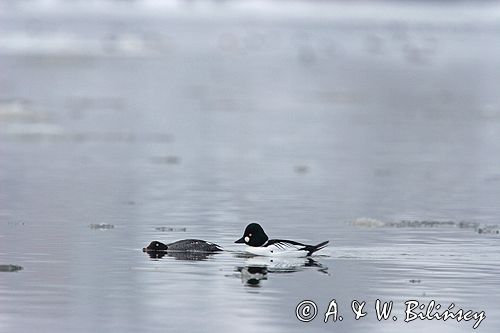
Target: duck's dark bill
241,240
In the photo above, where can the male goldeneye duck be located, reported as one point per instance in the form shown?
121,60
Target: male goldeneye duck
259,244
184,245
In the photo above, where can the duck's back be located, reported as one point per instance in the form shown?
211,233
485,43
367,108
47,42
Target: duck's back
194,245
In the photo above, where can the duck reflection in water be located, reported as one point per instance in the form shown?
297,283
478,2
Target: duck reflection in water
257,268
186,249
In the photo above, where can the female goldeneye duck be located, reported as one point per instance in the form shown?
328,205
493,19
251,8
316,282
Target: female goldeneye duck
184,245
259,243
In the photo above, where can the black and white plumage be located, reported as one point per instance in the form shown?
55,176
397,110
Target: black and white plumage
258,243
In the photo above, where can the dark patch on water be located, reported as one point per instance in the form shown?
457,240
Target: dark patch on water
489,229
171,229
101,226
15,223
166,159
475,226
301,169
10,268
421,224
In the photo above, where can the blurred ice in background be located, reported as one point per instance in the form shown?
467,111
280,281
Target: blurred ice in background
375,124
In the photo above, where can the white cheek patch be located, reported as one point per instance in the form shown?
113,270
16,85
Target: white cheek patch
247,239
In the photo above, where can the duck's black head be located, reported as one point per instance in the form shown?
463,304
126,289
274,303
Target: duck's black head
254,235
155,246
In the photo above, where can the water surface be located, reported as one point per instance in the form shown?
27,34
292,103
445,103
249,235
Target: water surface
120,129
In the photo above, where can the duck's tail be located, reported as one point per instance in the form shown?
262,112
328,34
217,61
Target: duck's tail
313,248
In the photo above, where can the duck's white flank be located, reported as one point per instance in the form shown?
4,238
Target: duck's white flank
280,249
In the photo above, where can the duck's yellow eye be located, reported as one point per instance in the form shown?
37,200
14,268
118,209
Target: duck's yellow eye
249,235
